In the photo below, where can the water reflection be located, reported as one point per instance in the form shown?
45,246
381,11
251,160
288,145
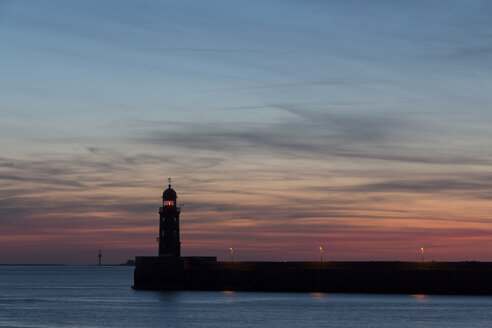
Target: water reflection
228,292
317,295
420,298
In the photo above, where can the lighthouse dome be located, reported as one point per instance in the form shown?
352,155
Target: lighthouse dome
169,194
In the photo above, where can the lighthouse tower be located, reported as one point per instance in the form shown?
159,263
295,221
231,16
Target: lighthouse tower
169,244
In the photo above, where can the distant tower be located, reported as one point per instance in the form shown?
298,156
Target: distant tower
169,244
100,255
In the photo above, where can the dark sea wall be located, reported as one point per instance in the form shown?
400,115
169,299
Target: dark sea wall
467,278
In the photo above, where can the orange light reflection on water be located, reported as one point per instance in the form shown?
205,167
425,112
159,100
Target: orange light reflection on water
421,298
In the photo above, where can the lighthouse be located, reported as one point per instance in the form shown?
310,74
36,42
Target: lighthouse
169,244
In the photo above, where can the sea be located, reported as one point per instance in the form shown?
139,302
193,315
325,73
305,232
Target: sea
78,296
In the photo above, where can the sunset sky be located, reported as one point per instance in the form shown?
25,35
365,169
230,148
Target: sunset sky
363,127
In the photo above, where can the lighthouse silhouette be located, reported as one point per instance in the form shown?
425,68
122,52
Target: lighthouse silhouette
169,244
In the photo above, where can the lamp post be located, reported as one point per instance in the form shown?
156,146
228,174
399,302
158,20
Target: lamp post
232,254
422,253
321,254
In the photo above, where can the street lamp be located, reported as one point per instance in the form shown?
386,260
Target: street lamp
321,254
422,253
232,254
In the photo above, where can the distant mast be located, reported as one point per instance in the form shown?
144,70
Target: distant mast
99,256
169,243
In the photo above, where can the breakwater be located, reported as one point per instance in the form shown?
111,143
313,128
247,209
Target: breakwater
205,273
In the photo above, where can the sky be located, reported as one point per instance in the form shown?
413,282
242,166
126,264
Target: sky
363,127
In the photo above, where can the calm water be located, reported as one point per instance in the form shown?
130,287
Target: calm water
102,297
